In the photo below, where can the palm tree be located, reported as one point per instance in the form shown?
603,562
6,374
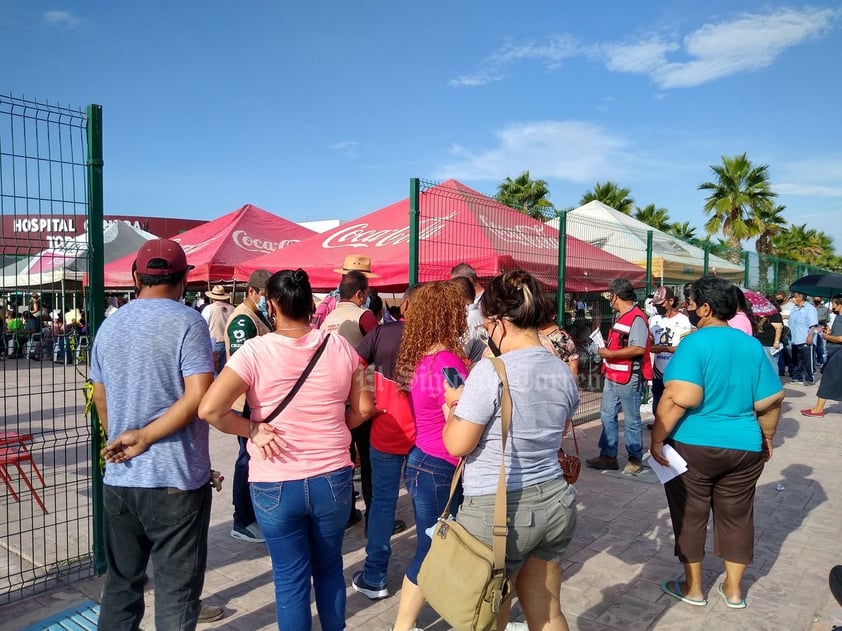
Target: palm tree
768,222
656,217
526,195
685,232
740,190
611,194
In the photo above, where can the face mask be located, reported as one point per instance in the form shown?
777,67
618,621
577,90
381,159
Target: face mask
662,310
693,317
492,345
261,305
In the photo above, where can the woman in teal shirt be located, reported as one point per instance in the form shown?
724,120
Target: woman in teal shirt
719,411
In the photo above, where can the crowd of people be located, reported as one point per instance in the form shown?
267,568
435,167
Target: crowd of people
405,392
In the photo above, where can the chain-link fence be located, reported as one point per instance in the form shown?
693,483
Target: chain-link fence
45,442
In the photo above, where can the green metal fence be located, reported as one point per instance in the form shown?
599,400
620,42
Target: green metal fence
768,274
50,173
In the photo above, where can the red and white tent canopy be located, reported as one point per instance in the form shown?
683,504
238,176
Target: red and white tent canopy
216,247
457,225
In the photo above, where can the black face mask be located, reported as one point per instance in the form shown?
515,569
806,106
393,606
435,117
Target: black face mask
693,317
661,310
492,345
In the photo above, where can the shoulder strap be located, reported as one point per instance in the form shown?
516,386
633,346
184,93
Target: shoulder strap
307,370
500,529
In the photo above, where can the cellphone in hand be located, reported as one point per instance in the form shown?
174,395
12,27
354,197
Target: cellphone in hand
454,379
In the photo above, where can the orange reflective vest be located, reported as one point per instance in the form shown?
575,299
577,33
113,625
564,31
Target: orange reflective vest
620,370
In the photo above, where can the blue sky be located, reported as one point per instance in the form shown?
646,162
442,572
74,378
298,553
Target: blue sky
318,110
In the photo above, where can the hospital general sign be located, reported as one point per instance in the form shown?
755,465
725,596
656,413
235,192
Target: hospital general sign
37,232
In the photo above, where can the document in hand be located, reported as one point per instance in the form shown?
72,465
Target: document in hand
676,467
597,338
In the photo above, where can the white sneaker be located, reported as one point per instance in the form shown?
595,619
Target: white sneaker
517,626
249,533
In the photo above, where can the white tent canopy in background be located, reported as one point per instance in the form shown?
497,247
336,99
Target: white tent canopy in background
69,260
673,261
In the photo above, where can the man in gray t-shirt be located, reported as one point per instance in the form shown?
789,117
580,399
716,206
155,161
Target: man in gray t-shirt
625,360
151,363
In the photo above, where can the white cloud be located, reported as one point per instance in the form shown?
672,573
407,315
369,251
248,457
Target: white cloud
550,53
744,43
348,147
573,151
747,42
807,190
63,20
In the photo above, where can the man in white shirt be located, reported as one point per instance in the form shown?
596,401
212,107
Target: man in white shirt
216,315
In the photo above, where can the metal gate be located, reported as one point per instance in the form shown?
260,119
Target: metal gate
50,181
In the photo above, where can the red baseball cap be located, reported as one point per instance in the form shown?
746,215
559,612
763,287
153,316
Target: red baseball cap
166,250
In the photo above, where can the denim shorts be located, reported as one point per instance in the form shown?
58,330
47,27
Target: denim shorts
541,520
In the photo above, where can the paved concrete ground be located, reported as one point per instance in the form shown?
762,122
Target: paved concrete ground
623,549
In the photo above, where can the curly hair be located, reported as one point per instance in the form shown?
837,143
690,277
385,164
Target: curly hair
436,318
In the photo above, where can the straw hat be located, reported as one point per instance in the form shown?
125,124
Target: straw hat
217,293
358,263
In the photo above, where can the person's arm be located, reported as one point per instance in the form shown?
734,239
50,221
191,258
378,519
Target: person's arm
779,329
101,405
240,330
460,437
629,352
768,412
678,397
367,322
361,400
215,409
134,442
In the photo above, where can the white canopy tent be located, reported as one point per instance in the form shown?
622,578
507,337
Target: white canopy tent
673,261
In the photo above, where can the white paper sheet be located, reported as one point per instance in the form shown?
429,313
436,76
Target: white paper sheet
676,467
596,336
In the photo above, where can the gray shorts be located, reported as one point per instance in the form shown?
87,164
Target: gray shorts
541,520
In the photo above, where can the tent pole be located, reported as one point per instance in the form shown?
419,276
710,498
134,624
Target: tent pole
414,222
562,267
649,235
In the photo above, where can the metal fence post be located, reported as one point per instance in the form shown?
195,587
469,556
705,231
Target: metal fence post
707,259
562,266
649,235
414,222
746,265
96,300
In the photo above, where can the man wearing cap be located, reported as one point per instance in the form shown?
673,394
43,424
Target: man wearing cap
156,493
246,321
216,315
626,364
352,320
666,328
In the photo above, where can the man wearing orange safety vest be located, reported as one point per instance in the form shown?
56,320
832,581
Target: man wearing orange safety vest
627,368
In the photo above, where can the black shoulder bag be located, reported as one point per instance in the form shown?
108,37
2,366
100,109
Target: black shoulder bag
307,370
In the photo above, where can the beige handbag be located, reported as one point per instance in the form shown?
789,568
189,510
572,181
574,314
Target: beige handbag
462,578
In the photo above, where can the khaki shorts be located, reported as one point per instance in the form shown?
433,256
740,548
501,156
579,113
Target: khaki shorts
541,520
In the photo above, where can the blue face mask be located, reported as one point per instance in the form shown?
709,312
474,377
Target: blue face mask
261,304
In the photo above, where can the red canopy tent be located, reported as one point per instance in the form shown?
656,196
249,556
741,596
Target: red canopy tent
216,247
457,225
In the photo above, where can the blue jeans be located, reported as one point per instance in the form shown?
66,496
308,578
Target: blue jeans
219,349
169,525
616,396
428,483
804,357
386,472
304,522
819,345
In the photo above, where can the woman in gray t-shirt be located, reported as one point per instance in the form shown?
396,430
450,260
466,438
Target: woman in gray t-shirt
541,506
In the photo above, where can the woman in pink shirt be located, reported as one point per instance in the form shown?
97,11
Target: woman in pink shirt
300,471
431,341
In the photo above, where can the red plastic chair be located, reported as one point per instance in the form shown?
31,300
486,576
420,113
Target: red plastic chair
13,451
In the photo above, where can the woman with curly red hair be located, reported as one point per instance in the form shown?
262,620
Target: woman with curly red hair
431,341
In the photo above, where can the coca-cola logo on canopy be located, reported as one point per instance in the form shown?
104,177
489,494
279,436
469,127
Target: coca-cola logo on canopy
359,235
255,244
532,236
